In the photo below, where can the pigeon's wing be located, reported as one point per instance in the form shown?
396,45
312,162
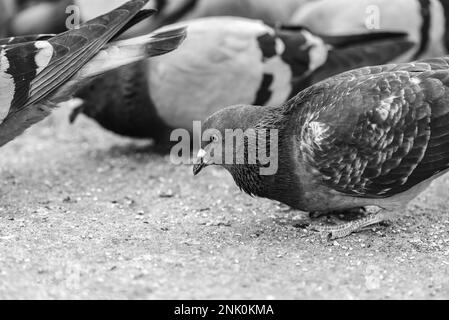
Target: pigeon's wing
302,52
33,70
379,131
356,51
313,57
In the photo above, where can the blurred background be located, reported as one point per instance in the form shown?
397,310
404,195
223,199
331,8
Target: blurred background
424,21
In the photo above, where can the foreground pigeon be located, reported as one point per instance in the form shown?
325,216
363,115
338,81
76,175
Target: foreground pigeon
427,21
36,75
376,136
225,61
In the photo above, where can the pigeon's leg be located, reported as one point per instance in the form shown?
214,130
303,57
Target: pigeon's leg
346,229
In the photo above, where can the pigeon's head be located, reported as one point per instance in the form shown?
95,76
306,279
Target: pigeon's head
227,137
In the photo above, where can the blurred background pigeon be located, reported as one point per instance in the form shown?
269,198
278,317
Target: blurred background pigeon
171,11
225,61
7,11
40,16
426,21
376,136
269,11
38,72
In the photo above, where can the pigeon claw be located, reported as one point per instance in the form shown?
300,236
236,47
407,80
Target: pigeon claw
346,229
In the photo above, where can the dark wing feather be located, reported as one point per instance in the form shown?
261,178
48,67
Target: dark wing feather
377,132
364,53
303,50
139,17
36,78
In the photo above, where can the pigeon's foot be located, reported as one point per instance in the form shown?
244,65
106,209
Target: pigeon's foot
346,229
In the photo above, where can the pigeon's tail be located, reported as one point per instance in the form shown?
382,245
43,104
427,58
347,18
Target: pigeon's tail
356,51
121,53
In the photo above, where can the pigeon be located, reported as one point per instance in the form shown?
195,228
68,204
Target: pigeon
225,61
370,137
426,21
36,73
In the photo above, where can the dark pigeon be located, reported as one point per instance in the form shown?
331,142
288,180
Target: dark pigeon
376,136
40,71
225,61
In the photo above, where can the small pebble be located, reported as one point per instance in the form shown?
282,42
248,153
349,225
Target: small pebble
166,194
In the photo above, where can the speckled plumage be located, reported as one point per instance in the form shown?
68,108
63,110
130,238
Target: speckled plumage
385,136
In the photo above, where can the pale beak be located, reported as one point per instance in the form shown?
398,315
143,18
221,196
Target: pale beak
197,168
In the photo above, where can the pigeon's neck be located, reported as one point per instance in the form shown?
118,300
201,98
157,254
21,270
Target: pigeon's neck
280,185
248,179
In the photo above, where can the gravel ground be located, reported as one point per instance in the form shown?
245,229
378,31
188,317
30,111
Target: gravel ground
86,214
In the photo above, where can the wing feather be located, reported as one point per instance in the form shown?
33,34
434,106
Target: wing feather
61,56
377,132
23,39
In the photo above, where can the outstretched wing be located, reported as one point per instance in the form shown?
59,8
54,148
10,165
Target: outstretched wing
378,131
33,70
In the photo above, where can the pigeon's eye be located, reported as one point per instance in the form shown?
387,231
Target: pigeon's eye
214,138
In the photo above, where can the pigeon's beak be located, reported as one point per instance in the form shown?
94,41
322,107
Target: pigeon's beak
201,162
